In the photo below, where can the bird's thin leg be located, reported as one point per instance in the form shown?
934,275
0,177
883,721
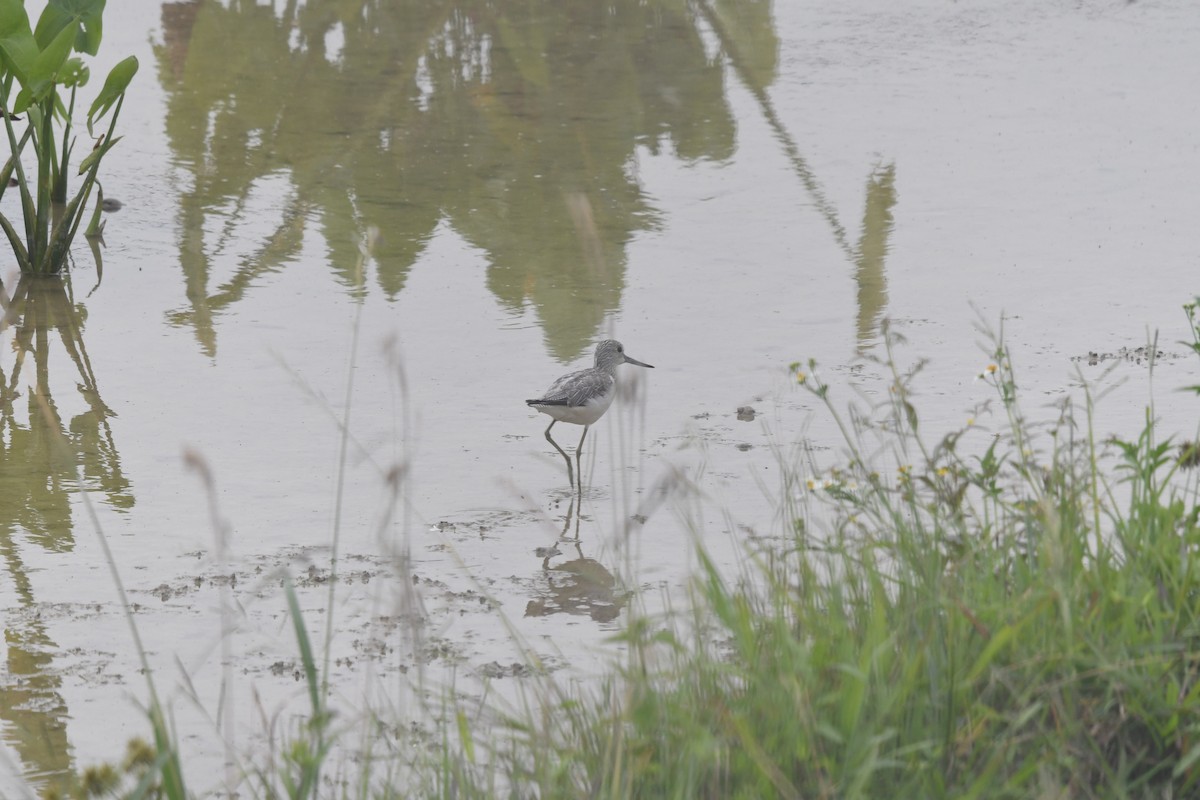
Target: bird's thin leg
579,455
570,476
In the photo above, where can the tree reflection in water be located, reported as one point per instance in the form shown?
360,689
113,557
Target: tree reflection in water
516,125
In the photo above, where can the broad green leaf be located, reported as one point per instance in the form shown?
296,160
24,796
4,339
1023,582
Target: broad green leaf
46,66
24,100
13,19
58,14
39,74
89,37
114,86
17,53
50,24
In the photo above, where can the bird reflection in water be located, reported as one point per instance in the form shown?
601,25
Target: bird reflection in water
581,586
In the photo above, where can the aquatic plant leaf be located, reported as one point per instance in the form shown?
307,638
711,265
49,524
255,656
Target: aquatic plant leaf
97,154
16,54
41,73
114,86
14,22
90,34
24,101
60,14
52,58
64,231
74,73
18,246
95,228
17,46
13,17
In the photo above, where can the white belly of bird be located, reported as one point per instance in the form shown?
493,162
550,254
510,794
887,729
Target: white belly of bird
585,414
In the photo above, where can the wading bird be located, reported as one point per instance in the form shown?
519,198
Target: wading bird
582,397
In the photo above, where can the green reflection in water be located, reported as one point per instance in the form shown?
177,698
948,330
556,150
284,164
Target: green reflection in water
514,124
738,34
40,450
32,708
39,457
872,251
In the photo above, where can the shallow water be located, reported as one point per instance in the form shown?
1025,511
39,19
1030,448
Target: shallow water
725,187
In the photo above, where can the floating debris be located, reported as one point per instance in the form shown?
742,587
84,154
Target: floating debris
1133,355
494,669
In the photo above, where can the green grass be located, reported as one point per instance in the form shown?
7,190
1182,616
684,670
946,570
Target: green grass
989,616
994,614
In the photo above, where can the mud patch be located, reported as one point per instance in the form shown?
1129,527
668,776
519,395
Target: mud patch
1141,356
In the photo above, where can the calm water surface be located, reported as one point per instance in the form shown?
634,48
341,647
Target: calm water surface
726,187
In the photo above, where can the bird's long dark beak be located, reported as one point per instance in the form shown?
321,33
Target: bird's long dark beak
637,363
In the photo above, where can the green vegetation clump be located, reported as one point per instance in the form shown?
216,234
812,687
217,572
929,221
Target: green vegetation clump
1017,620
137,776
41,72
1000,614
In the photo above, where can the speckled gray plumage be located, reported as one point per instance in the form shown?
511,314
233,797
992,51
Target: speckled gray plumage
578,388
